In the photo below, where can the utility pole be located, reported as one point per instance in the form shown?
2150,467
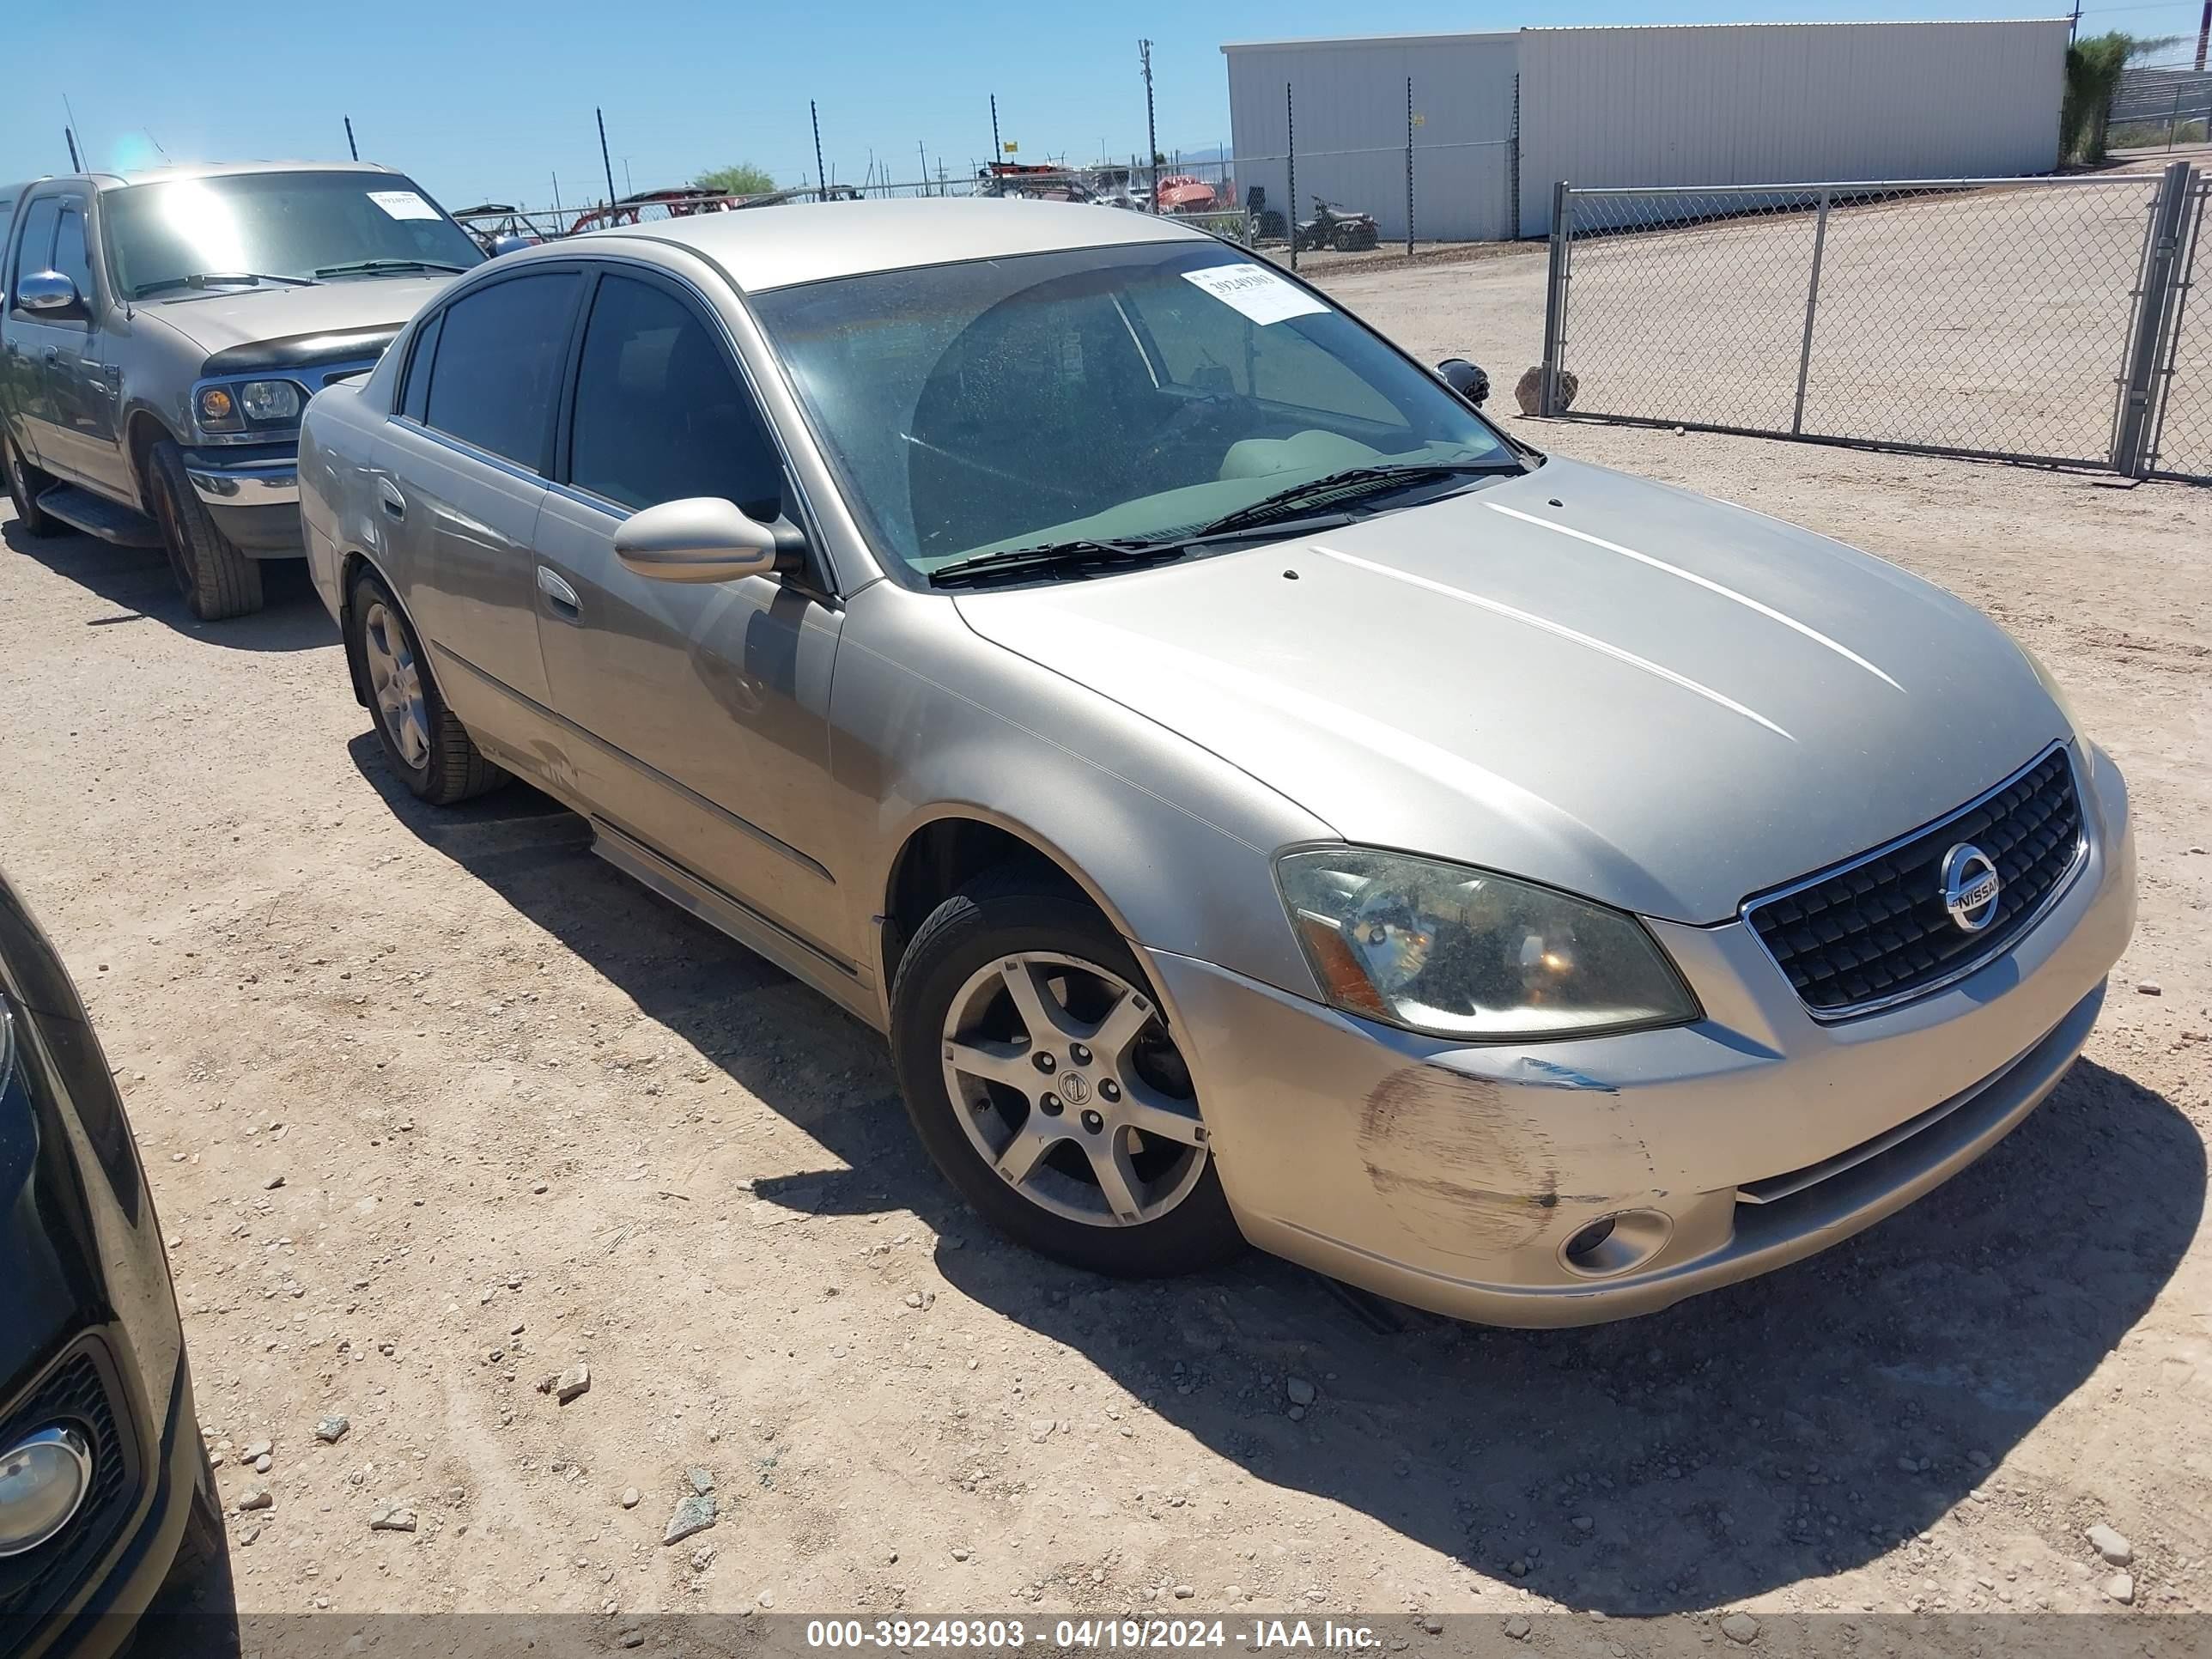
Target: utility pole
2203,35
922,156
605,161
1151,137
70,137
821,179
997,153
2074,23
350,145
557,214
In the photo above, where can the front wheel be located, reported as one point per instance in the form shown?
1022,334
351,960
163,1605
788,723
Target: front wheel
217,580
1045,1085
24,483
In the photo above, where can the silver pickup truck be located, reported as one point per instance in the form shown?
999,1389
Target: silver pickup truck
162,331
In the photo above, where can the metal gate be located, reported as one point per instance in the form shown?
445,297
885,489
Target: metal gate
2051,320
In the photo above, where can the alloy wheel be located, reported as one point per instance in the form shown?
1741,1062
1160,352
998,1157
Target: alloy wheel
397,680
1066,1080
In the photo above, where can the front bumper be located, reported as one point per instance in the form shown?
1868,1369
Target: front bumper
253,498
1454,1177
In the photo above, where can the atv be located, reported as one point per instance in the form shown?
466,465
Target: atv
1346,229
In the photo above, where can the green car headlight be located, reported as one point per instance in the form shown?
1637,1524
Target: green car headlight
1458,952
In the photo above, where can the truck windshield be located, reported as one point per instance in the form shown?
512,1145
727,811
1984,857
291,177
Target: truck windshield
1128,394
294,224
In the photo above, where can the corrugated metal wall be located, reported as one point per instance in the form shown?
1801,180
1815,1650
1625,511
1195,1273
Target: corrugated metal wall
1774,103
1730,104
1351,109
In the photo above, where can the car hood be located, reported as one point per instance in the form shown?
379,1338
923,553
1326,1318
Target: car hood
1577,676
378,306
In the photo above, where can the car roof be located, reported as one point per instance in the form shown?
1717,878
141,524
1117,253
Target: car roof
770,247
216,170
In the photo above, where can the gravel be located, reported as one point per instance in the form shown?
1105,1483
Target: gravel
694,1514
2111,1545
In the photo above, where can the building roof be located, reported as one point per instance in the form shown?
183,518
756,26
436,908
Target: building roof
1624,28
768,247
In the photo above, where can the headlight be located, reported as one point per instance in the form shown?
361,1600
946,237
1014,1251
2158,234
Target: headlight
1463,953
43,1479
264,401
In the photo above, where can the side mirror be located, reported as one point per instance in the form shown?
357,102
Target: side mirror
701,539
1464,378
511,244
51,294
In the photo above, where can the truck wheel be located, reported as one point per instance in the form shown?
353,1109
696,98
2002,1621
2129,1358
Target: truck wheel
423,740
24,483
217,580
1045,1085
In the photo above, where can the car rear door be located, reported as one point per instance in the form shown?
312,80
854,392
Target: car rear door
459,473
706,707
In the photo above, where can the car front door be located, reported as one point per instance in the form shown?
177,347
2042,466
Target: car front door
704,709
29,334
80,392
461,476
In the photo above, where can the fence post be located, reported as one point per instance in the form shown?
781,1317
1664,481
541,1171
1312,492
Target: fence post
1811,305
2131,440
1555,303
1409,167
1290,145
1513,160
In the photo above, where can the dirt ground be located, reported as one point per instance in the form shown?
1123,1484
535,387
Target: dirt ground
524,1114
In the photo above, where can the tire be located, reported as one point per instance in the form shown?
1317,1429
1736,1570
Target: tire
217,580
24,483
1058,1206
205,1547
425,741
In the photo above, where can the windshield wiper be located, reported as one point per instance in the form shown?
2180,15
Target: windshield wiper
223,278
1333,488
1085,555
363,267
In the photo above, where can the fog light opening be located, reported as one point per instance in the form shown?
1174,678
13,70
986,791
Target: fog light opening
43,1480
1616,1244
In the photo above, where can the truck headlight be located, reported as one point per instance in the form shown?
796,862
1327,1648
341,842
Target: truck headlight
43,1479
269,401
217,410
1459,952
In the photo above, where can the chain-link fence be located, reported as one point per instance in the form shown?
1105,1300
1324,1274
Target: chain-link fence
2044,320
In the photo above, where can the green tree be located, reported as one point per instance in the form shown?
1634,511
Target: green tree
2093,75
739,178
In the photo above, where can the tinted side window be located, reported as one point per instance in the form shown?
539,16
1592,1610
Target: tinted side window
418,398
496,374
37,244
660,414
69,255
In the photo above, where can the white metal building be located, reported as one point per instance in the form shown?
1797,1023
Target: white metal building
1723,104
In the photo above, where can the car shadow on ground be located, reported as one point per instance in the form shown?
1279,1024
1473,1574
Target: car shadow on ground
1793,1427
138,582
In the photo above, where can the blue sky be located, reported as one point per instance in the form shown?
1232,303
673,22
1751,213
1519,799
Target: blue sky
489,99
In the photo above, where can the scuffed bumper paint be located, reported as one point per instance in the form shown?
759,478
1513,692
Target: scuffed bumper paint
1453,1177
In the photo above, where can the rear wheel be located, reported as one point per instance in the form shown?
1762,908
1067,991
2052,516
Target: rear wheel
217,580
24,483
1044,1083
423,740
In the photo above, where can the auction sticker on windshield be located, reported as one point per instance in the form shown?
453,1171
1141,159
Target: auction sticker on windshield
402,204
1257,291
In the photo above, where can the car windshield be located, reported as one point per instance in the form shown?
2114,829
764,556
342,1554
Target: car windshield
1126,393
292,225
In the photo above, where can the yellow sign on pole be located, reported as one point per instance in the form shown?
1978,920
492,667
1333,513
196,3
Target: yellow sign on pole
1012,148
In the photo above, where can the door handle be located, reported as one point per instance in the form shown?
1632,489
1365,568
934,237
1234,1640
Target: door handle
395,504
111,373
560,597
51,354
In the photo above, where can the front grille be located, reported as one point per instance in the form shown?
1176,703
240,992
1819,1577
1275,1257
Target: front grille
1874,931
78,1391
